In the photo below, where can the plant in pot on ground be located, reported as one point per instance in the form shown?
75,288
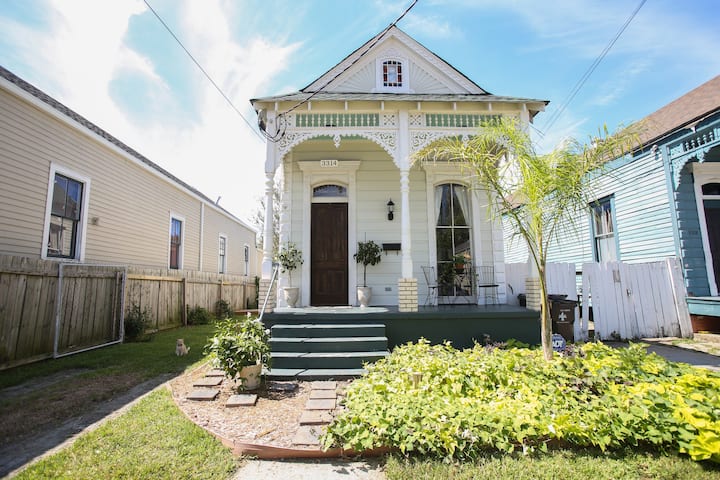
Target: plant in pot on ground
240,347
290,258
368,254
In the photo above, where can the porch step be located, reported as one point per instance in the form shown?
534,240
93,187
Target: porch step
328,344
335,360
312,330
325,350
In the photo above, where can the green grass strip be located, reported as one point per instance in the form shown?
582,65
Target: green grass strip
560,464
153,440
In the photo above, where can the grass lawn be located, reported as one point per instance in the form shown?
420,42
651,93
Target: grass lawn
562,464
52,391
153,440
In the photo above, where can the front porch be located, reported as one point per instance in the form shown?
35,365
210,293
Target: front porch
336,342
459,324
704,314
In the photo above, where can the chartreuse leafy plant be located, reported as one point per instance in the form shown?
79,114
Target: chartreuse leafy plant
438,401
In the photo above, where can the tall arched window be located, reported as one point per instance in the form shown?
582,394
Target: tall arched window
453,234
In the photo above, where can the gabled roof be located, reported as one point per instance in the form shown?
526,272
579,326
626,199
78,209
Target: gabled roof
687,110
431,77
72,116
327,80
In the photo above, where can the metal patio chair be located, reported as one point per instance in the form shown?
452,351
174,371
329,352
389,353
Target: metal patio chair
432,284
487,284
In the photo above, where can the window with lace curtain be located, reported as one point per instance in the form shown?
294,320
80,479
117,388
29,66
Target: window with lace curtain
452,233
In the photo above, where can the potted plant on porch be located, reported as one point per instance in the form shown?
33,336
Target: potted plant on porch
368,254
240,347
290,258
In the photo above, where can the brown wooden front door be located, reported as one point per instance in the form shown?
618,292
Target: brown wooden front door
329,254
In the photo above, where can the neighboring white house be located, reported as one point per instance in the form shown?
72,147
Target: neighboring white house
341,151
69,191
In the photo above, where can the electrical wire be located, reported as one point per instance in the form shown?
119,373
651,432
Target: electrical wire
227,99
282,126
556,115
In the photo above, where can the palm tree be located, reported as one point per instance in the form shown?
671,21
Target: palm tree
536,192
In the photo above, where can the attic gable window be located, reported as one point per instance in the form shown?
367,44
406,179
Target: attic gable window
392,73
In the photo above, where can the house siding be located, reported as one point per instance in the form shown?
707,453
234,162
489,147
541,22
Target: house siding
237,238
643,225
130,205
691,246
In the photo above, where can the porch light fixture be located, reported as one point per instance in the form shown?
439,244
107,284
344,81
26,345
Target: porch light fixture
391,209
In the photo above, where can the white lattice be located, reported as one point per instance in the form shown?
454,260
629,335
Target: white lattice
416,120
421,139
388,120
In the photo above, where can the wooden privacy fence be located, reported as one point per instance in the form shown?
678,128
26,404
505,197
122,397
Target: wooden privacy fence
50,309
560,279
641,300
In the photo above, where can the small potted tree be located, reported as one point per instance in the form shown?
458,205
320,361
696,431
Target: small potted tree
240,347
368,254
290,258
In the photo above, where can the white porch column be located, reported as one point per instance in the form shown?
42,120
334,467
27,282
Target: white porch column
407,265
407,284
268,233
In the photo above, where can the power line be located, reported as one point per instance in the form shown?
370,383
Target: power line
556,115
280,134
252,127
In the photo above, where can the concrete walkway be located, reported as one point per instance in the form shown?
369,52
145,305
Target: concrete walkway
310,470
685,355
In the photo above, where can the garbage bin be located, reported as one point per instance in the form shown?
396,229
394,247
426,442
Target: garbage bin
522,300
562,313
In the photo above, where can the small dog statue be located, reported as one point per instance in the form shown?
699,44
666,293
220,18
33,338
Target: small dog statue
180,348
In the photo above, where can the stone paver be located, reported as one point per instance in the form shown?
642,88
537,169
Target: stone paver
216,372
203,394
242,400
207,382
315,417
320,404
282,386
319,394
308,435
324,385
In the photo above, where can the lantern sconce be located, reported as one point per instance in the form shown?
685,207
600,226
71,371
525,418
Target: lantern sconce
391,209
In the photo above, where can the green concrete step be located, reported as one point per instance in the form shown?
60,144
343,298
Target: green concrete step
325,360
328,344
328,330
313,373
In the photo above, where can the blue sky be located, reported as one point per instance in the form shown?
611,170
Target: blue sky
113,62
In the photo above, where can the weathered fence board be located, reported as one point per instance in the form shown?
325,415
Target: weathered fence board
35,323
636,300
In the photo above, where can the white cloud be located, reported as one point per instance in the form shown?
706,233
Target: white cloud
84,50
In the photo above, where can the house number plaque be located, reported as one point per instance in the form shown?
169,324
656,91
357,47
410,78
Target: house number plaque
328,163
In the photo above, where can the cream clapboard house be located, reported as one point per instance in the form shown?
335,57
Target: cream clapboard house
341,151
70,191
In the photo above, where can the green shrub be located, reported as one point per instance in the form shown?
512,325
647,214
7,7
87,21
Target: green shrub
136,323
239,343
198,316
438,401
223,310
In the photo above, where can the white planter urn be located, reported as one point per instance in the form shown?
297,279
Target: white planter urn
364,294
250,376
291,295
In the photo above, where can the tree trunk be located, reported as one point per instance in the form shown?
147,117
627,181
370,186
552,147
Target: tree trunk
545,320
